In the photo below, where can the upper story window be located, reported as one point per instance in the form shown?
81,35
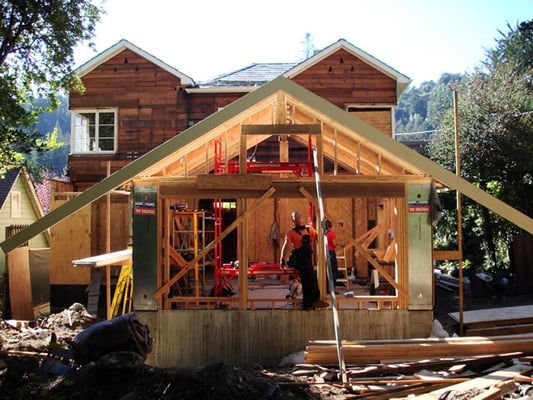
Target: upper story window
94,131
15,205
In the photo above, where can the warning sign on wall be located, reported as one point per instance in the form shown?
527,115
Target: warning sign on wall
419,207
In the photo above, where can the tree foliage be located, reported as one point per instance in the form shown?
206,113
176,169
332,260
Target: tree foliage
496,143
37,41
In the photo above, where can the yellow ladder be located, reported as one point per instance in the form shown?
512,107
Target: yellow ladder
123,292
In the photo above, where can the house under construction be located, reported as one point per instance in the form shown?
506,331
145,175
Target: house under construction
200,181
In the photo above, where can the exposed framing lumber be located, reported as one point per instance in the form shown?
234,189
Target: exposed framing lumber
285,188
325,352
282,129
265,100
166,286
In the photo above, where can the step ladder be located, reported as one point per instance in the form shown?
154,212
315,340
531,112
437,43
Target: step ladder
342,267
123,296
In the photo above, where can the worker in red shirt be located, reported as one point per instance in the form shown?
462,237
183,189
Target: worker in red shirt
331,237
302,238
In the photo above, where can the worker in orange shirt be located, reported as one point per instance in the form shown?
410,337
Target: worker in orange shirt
301,239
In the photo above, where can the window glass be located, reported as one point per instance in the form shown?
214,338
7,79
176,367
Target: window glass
93,131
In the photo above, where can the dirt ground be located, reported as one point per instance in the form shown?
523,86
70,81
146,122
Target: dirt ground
36,362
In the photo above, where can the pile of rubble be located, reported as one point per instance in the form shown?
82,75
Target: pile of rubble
71,355
38,335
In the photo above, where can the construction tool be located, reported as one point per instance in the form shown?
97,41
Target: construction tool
331,281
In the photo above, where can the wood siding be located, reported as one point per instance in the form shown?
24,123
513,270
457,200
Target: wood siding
149,100
344,79
153,106
264,337
28,215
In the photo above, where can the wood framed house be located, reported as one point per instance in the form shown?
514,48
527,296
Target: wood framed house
19,208
257,154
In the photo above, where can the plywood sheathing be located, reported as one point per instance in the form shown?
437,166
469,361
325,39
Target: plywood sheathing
18,274
71,239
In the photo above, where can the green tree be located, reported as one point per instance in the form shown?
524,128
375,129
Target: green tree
37,41
496,143
411,115
515,46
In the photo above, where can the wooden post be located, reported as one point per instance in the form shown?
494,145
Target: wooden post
108,249
459,212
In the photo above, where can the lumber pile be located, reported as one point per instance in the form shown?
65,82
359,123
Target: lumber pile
434,368
324,352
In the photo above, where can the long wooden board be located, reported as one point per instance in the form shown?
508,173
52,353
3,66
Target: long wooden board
324,353
495,316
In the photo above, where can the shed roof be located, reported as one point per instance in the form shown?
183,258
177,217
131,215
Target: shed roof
186,153
120,46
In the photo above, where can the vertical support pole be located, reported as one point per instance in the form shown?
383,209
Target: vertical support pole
195,233
242,249
108,250
459,212
340,353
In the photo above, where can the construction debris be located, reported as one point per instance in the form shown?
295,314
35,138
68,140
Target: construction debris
436,368
123,333
478,377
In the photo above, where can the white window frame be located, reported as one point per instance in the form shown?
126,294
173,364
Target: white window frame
15,204
81,142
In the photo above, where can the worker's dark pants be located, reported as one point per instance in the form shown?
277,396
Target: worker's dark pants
310,290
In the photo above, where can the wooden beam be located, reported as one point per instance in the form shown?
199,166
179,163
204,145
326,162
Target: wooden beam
237,182
325,352
333,188
439,255
115,258
401,291
281,129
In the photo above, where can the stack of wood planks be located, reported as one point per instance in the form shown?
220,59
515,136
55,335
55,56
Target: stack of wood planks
324,352
433,368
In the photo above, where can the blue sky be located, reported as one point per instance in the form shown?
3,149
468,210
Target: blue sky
205,38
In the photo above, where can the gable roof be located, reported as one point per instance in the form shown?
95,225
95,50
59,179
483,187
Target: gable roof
402,81
120,46
188,150
260,73
6,184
